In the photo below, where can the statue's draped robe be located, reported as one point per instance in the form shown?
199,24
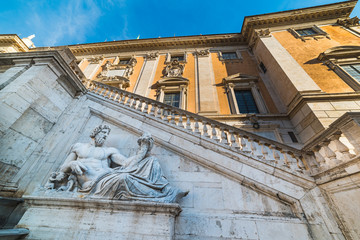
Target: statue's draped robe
144,181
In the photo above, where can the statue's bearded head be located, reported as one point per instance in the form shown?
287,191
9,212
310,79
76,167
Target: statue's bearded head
100,134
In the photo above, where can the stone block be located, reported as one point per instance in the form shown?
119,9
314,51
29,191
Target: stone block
345,105
282,231
32,125
98,219
321,106
335,114
306,134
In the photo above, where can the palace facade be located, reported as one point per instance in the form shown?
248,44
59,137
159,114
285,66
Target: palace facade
262,127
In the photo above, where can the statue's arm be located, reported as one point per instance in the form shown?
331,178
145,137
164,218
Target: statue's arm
71,165
118,158
66,168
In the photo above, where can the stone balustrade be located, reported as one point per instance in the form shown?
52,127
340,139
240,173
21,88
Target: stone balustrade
338,144
260,148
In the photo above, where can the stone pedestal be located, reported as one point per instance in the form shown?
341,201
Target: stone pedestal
66,218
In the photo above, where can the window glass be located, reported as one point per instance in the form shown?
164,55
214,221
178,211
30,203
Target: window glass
245,101
353,70
179,58
229,55
124,61
306,32
172,99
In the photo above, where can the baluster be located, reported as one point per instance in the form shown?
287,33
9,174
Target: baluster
172,117
98,89
103,93
196,126
133,103
286,161
146,107
158,112
123,98
214,133
152,111
180,122
252,146
138,104
234,143
319,158
341,148
275,154
329,154
223,136
188,123
165,115
109,94
264,151
300,164
244,145
115,96
205,129
129,98
91,86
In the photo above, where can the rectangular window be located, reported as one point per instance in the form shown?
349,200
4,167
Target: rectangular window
293,137
306,32
262,66
172,99
353,70
124,61
245,101
229,55
180,58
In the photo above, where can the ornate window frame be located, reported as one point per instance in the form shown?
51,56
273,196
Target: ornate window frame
238,54
168,57
319,33
243,82
172,85
335,57
120,81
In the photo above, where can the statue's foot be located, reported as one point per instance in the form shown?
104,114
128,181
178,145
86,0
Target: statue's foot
180,195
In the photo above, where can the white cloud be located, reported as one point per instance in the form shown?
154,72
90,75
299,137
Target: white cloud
71,21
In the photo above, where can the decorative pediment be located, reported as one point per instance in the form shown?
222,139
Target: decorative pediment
174,69
240,78
117,72
340,52
172,81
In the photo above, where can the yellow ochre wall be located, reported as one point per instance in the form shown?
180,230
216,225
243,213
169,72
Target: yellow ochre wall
189,73
306,53
246,66
133,78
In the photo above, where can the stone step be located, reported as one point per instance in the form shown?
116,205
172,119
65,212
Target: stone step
10,212
10,234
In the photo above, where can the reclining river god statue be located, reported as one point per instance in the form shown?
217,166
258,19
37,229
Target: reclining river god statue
88,169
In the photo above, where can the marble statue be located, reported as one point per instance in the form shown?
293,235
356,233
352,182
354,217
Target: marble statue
88,169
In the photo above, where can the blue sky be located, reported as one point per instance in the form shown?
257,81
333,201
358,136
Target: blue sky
65,22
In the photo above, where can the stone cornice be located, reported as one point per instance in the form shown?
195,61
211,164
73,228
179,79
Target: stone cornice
325,14
57,56
302,98
14,40
157,44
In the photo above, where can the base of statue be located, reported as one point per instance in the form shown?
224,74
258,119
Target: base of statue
69,218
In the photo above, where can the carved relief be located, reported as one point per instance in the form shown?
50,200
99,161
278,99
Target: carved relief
97,59
89,169
203,53
174,69
350,22
151,56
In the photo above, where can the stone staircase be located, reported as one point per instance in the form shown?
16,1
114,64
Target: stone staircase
11,210
331,148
